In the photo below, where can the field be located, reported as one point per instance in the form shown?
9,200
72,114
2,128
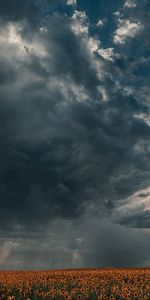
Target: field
76,284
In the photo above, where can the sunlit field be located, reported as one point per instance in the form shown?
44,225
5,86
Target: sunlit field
76,284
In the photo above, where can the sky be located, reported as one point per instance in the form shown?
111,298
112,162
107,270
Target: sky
74,134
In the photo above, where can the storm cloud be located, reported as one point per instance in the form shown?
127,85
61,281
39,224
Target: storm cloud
74,130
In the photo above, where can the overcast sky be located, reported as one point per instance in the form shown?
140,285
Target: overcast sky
74,133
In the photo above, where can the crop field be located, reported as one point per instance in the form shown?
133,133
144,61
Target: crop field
77,284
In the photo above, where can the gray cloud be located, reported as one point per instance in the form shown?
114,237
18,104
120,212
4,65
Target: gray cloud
65,150
68,244
59,147
32,11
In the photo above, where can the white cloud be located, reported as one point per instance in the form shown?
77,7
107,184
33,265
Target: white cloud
17,47
144,117
71,2
107,53
79,22
93,44
100,23
138,203
116,14
130,4
80,26
126,29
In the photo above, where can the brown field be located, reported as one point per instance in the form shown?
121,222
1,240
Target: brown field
76,284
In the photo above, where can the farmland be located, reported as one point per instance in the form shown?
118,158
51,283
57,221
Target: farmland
100,284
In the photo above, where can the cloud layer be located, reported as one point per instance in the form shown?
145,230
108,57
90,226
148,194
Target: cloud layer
74,123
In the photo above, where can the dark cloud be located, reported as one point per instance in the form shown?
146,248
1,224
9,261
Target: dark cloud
32,11
139,220
65,151
117,246
18,10
86,243
56,150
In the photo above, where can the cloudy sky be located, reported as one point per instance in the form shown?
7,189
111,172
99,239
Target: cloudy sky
74,133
